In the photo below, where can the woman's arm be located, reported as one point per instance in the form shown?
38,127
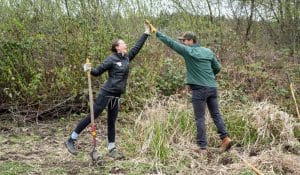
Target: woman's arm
139,44
102,67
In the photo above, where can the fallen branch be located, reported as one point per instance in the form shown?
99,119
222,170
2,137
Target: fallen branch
293,94
41,110
258,172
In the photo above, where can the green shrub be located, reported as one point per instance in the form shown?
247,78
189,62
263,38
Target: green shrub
171,77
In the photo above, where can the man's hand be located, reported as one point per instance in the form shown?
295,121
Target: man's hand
150,26
87,67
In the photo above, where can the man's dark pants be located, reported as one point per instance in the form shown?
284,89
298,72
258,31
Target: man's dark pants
202,95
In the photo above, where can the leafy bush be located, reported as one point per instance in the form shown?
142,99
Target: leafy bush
20,74
171,77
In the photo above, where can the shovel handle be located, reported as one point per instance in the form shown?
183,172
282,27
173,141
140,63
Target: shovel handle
90,93
93,128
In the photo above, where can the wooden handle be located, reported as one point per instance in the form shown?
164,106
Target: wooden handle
91,97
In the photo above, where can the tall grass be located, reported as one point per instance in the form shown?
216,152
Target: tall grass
167,125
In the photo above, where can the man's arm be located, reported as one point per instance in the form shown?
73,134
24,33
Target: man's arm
176,46
216,66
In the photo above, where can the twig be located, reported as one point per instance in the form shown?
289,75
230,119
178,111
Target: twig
55,106
258,172
293,94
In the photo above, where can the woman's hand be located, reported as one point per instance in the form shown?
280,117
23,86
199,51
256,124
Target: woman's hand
87,67
149,28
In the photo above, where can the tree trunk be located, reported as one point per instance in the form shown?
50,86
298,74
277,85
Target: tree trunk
250,21
67,7
210,11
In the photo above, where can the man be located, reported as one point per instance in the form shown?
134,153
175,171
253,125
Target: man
202,66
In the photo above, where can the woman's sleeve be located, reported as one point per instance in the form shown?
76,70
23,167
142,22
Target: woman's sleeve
139,44
102,67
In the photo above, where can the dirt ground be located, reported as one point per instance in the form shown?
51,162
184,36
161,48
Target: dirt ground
37,148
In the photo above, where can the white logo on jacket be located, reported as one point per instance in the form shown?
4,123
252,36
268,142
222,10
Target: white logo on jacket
119,64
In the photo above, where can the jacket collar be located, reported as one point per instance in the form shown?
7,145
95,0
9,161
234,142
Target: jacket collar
196,45
119,55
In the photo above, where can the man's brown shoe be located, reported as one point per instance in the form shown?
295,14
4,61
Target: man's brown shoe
226,144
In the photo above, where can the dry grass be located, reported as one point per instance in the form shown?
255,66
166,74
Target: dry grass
269,121
272,123
159,141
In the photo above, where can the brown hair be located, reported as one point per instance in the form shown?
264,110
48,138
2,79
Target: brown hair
189,36
114,45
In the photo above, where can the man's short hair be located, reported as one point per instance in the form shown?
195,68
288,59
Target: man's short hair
188,35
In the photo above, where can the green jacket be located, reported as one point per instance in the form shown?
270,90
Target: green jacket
201,63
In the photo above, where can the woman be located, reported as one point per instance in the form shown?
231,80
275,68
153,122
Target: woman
117,65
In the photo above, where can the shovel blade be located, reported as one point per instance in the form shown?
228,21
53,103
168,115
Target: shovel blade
96,158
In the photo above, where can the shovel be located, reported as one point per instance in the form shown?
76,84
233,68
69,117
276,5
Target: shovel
96,158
